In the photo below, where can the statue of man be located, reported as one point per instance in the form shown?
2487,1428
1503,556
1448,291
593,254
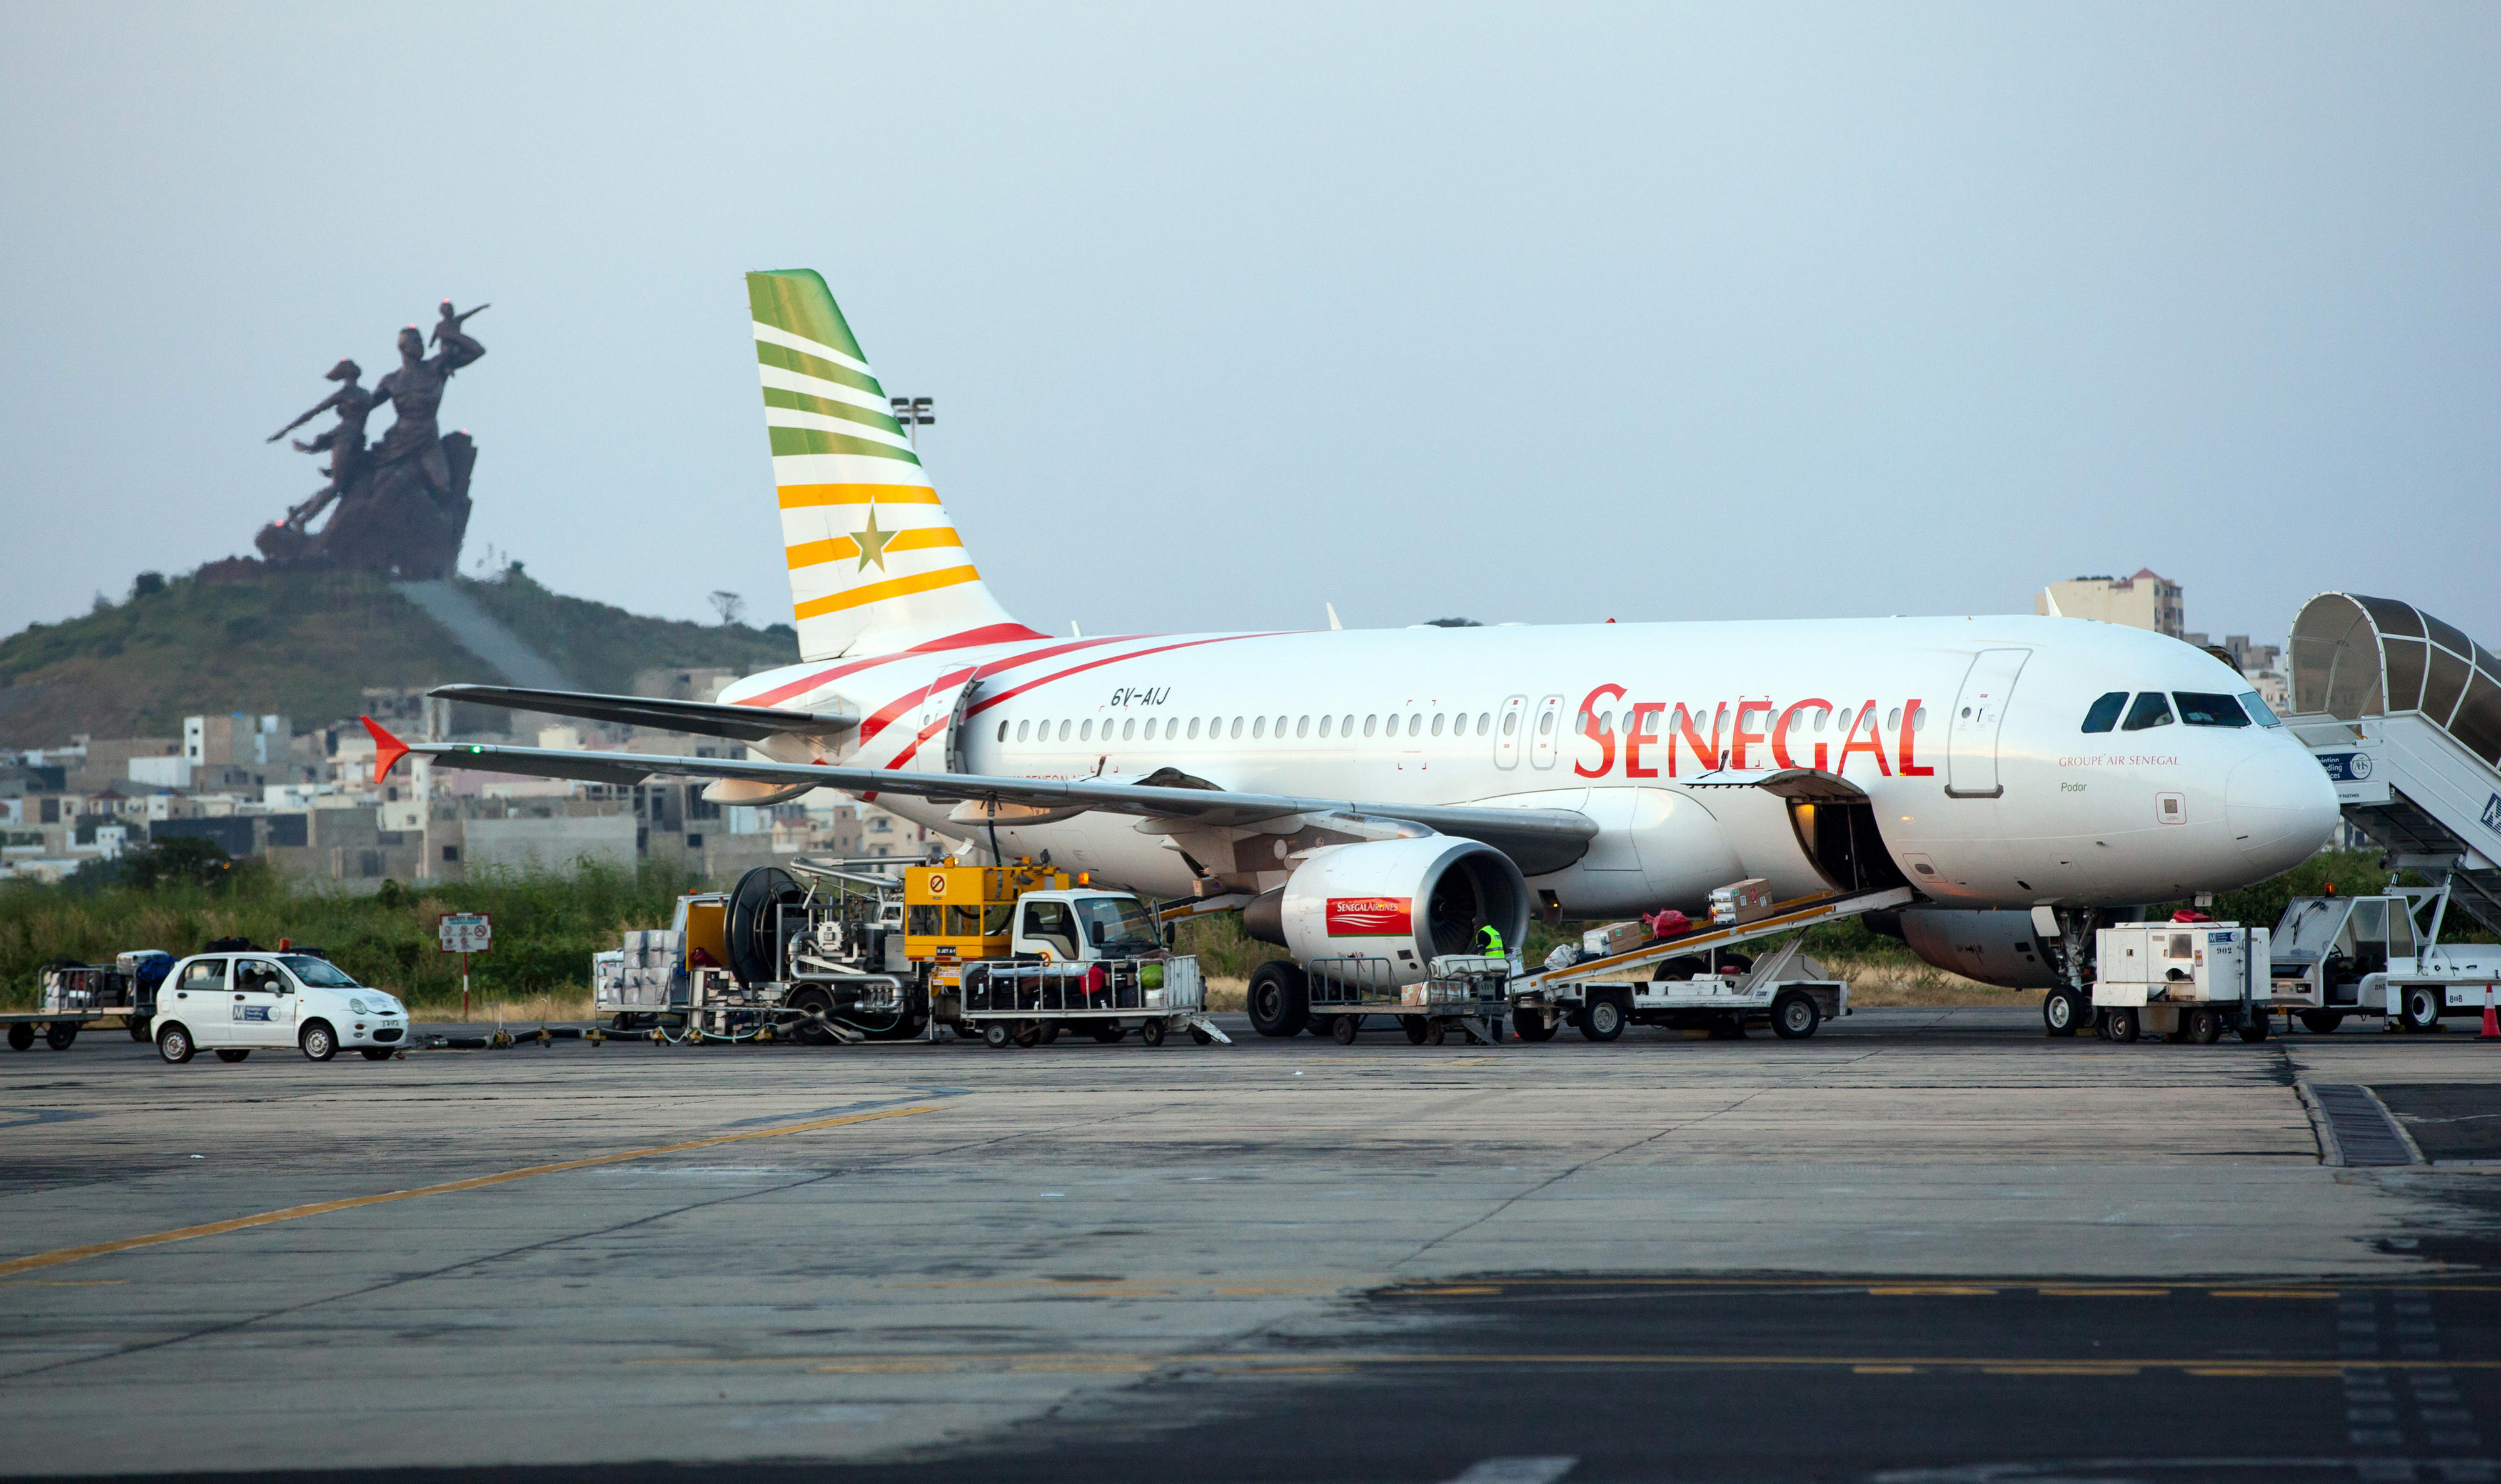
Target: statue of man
416,393
344,443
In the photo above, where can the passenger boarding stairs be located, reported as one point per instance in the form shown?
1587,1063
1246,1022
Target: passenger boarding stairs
2407,783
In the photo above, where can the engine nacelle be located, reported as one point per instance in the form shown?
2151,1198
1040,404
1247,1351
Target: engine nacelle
2000,947
1405,901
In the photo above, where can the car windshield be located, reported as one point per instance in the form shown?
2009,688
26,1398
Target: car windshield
1123,919
2307,928
2202,709
319,972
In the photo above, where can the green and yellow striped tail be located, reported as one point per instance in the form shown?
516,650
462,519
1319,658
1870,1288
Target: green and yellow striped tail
875,566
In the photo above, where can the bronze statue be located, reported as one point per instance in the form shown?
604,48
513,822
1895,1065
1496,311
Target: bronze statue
416,391
344,443
403,502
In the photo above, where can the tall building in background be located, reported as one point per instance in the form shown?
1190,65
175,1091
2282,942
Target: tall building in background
2145,601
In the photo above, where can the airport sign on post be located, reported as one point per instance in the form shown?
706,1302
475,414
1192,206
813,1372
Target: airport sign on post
464,933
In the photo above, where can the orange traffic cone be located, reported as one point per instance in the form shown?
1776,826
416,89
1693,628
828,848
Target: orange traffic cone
2491,1020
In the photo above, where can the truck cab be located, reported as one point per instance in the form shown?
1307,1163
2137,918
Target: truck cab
1082,926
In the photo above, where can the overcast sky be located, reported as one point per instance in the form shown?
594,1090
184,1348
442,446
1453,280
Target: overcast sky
1551,314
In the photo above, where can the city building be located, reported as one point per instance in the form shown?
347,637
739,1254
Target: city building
2144,601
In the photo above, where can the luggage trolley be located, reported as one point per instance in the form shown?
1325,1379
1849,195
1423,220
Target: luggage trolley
1462,992
1014,1002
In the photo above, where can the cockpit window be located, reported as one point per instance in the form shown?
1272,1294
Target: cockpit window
2259,712
2105,712
2152,709
2202,709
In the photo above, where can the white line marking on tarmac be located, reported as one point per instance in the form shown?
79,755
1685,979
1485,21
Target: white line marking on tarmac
1517,1470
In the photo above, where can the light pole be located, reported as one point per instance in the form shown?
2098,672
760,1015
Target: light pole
915,412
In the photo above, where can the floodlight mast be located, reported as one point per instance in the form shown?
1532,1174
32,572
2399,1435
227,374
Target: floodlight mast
913,413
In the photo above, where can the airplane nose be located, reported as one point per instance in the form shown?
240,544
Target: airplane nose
2279,806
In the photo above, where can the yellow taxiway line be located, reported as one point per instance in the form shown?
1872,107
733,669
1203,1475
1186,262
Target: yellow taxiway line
62,1255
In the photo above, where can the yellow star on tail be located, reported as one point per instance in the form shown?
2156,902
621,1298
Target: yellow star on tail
872,543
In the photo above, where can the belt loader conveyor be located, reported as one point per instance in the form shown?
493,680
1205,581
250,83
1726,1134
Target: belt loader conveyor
1601,995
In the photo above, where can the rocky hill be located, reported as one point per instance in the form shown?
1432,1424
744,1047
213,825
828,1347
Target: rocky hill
305,645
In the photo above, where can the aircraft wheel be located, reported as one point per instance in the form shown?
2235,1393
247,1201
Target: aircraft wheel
2064,1012
1280,999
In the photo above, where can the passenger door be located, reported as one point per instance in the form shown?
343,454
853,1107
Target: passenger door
1971,727
200,1001
263,1004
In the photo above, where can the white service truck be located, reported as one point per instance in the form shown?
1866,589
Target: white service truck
2380,956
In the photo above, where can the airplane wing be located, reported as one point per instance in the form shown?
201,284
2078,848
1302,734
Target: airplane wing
746,723
1540,840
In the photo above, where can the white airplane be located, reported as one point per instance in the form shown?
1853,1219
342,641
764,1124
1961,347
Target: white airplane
1339,786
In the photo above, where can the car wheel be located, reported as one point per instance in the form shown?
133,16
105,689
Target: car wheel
60,1034
174,1044
1049,1032
2422,1006
1795,1016
1027,1033
318,1041
233,1053
1343,1029
1532,1025
1152,1033
2321,1022
2255,1025
1415,1027
22,1037
1110,1032
375,1053
1202,1034
139,1028
2122,1025
997,1036
1603,1019
2205,1027
2063,1012
1280,999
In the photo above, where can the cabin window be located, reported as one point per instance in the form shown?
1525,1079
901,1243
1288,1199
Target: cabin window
1842,721
1025,729
1303,726
1324,725
1484,722
1437,724
1172,728
2204,709
2259,712
1281,727
1259,726
1919,719
1545,723
1369,722
2152,710
1193,729
1893,719
1063,730
2104,714
1509,723
1237,729
1416,725
1129,729
1086,730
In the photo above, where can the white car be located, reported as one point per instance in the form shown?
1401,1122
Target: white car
236,1004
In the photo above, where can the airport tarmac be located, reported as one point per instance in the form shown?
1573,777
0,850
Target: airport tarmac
1923,1245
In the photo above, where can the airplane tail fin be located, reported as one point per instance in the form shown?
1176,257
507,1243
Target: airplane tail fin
876,566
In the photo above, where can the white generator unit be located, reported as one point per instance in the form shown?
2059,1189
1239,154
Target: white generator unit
2181,980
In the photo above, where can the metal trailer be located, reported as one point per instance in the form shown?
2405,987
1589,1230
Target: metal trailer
1683,981
1465,992
2185,981
812,953
1013,1003
75,996
2378,955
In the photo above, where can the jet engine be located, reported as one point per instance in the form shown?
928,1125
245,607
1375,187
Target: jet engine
1402,902
1999,948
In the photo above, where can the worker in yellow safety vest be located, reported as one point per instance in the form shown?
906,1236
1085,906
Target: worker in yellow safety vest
1490,941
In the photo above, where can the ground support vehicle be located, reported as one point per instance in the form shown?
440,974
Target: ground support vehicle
1463,993
2185,981
2379,956
236,1004
76,996
1692,980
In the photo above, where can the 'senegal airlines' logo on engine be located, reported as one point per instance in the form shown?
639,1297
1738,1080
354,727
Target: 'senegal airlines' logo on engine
1371,917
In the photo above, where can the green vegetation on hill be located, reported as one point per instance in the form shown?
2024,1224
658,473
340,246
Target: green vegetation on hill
602,647
305,644
299,646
